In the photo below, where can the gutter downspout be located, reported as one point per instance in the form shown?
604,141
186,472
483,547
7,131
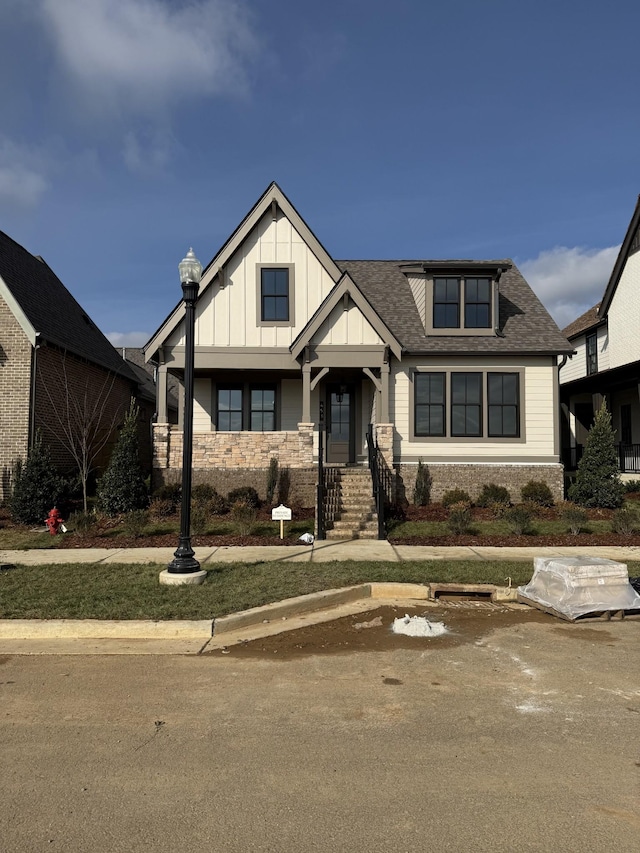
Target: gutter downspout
558,429
32,394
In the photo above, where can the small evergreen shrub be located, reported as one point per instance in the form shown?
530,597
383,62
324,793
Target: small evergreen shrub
625,521
202,492
459,521
455,496
597,482
272,479
493,494
122,487
244,494
37,487
244,517
575,518
519,520
134,522
169,492
284,486
537,492
631,486
422,487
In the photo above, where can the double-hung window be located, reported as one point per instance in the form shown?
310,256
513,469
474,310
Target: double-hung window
274,295
246,407
446,303
592,353
429,401
503,401
477,303
466,404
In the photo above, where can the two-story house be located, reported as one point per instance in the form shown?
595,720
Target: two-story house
605,365
452,362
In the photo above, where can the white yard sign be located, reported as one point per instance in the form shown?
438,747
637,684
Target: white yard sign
281,513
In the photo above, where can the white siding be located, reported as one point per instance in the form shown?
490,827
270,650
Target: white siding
346,327
229,316
202,405
624,316
538,418
576,366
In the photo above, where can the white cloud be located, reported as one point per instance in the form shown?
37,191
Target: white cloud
568,281
23,177
147,153
145,55
128,339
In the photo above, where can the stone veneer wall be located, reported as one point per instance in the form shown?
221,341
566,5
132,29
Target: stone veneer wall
472,478
228,460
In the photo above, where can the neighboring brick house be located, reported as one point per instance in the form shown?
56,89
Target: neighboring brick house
450,362
55,364
605,364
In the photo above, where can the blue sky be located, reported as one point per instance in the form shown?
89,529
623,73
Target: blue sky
133,129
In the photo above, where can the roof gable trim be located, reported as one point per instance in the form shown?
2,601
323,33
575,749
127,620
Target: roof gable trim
18,313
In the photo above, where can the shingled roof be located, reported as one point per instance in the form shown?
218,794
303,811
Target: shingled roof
584,322
51,310
525,326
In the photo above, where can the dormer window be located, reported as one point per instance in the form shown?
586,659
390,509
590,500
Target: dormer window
477,303
446,303
473,293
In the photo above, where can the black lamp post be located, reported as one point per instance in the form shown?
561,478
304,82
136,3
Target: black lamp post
184,561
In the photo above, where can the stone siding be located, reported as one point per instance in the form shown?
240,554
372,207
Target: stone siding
472,478
15,392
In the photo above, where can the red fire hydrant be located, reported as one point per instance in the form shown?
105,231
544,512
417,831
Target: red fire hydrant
53,521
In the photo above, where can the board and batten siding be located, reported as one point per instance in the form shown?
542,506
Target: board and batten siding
538,418
576,366
228,316
346,327
624,316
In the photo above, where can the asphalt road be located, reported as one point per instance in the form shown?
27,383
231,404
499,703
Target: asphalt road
522,737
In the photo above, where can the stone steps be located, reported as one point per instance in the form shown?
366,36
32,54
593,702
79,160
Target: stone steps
349,508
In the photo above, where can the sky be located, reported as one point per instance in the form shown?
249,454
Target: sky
134,129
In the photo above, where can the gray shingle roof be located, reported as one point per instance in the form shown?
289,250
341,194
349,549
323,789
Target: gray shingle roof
52,310
525,325
583,322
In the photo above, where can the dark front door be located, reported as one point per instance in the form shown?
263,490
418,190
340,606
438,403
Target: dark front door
340,432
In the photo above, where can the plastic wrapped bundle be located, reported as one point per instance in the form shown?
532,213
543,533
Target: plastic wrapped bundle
577,586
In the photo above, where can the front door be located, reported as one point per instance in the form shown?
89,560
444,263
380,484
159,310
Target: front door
340,431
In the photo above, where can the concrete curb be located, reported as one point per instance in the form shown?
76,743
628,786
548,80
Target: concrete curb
99,629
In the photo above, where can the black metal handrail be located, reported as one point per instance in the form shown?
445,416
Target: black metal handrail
381,479
320,490
629,458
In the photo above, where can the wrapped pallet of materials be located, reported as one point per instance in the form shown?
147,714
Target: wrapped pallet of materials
578,586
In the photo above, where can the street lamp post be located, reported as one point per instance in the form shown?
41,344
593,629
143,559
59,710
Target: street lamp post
184,561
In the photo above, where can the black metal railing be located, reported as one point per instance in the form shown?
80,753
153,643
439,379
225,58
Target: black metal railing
320,491
629,458
381,478
571,456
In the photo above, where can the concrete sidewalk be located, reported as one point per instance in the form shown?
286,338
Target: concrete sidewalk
321,552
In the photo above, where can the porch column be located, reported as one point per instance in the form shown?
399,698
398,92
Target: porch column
306,392
384,394
161,395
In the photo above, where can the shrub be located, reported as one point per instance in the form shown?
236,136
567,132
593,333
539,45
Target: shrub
597,482
422,488
169,492
272,479
244,517
135,522
455,496
625,521
631,486
518,519
497,509
122,487
199,516
162,507
37,487
82,522
218,504
245,494
575,518
459,520
537,492
202,492
493,494
284,486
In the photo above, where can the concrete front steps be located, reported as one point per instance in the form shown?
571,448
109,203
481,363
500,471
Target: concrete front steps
350,511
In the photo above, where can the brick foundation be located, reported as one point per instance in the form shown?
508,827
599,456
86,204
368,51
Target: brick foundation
472,478
301,493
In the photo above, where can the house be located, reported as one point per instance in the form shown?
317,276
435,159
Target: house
605,365
452,362
58,372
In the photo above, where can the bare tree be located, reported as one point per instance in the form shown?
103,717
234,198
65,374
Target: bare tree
84,418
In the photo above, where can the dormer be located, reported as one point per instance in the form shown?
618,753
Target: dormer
457,297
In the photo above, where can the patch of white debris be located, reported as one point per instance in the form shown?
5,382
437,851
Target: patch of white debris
418,626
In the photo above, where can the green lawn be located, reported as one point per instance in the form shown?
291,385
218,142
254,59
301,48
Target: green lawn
80,591
490,527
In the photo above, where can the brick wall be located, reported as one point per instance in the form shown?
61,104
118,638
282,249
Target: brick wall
69,388
303,481
472,478
15,390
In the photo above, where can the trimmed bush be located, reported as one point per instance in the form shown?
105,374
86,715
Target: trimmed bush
519,520
37,487
455,496
122,487
597,482
537,492
625,521
459,520
244,494
493,494
422,488
575,518
203,492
